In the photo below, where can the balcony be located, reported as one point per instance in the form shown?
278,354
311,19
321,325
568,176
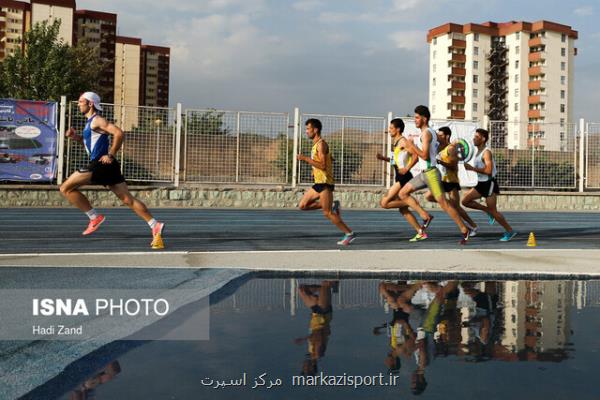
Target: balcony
536,84
457,99
531,128
458,71
536,56
457,114
458,44
536,42
461,58
536,99
534,114
456,85
536,71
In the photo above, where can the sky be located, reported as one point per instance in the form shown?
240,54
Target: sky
350,57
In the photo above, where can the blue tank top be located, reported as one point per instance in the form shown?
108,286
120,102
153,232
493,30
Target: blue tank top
96,143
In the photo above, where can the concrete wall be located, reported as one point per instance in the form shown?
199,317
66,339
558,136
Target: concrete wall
222,197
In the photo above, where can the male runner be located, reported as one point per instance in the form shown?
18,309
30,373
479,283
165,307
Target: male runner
103,168
487,186
403,162
426,149
320,196
447,163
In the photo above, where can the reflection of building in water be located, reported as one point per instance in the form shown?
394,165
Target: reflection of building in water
586,294
536,320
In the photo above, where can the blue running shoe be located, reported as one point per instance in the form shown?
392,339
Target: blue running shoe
508,236
347,239
491,219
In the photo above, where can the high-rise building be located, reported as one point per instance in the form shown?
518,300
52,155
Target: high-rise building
518,72
154,76
15,20
99,29
128,56
51,10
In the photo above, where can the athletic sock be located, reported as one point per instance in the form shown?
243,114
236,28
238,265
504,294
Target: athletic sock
92,214
152,223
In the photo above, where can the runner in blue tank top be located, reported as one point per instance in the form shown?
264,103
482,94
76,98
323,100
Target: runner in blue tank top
103,169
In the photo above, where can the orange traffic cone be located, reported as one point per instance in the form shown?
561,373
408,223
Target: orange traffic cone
531,242
157,243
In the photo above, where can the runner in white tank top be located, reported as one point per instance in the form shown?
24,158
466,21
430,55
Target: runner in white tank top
426,149
487,187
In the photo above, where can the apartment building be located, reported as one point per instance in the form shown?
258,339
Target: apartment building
15,20
154,76
51,10
517,72
99,29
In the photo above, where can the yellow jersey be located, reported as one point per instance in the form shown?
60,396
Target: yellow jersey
400,157
448,175
326,175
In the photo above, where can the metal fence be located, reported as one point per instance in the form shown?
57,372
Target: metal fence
148,153
237,147
354,143
592,146
535,155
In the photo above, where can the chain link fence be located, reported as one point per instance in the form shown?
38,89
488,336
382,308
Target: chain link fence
237,147
354,143
536,156
148,151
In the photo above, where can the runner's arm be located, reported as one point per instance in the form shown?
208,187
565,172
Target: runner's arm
103,125
322,164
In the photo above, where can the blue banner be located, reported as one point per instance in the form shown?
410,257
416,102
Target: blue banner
28,141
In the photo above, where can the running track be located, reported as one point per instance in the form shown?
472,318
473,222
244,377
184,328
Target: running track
26,231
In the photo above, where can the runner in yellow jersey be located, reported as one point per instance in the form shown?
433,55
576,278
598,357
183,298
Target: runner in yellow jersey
320,196
403,161
447,163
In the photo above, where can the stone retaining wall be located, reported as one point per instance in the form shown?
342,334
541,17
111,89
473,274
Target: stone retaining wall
252,197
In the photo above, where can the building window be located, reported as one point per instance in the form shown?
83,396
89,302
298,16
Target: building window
434,41
433,109
563,38
518,35
476,37
563,79
476,51
562,108
475,78
434,67
562,122
517,49
562,94
433,94
434,53
475,93
517,64
563,66
517,92
433,82
517,78
475,64
516,106
474,107
563,52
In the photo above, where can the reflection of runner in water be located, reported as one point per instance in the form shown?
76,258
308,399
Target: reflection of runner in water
87,390
318,299
401,335
481,321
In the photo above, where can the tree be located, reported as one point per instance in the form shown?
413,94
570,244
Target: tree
207,123
49,68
